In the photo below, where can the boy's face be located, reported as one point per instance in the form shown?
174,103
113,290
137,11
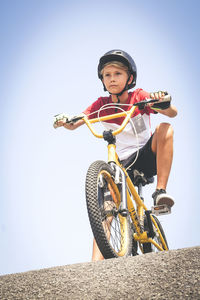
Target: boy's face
114,79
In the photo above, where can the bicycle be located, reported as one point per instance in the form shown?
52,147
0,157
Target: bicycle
119,219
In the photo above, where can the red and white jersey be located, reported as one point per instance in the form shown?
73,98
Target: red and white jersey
127,142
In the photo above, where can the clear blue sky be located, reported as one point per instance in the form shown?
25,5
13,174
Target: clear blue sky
48,59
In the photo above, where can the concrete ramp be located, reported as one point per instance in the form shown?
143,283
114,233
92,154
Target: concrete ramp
166,275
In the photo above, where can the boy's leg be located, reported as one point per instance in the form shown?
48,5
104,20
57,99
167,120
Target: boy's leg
162,146
96,253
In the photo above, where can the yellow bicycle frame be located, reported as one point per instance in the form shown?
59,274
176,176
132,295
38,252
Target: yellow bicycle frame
140,235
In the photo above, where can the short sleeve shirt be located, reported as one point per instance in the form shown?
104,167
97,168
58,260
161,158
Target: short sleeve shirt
136,133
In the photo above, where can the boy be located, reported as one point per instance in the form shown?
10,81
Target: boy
118,73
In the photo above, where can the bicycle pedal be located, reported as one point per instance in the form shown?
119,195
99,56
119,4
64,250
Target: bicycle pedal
159,210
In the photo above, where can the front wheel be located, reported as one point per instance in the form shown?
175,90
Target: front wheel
111,230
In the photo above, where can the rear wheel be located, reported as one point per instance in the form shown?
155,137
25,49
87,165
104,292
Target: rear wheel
158,230
111,230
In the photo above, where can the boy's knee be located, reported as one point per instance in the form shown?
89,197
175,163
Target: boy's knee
165,128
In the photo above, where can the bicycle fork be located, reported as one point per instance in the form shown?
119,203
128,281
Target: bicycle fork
120,178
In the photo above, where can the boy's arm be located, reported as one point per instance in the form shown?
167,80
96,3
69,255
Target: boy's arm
60,121
170,112
72,126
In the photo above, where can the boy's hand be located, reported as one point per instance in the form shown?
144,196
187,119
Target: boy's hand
158,95
60,120
164,100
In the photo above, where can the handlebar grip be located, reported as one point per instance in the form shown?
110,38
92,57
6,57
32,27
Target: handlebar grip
55,125
164,104
167,98
60,117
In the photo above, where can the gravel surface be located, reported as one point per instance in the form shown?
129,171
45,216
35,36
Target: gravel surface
165,275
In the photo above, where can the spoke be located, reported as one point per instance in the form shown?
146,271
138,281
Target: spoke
115,235
114,230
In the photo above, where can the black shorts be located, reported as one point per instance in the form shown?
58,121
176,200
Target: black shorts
146,161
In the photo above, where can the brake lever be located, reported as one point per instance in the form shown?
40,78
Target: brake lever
143,103
74,119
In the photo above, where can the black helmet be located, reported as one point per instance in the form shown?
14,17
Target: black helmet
123,57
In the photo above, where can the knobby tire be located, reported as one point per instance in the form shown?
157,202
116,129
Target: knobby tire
111,230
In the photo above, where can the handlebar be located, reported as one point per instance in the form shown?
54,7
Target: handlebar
126,114
109,117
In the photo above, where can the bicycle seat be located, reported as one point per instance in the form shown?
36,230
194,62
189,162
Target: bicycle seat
140,178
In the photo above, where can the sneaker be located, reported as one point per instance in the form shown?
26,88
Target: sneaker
160,197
